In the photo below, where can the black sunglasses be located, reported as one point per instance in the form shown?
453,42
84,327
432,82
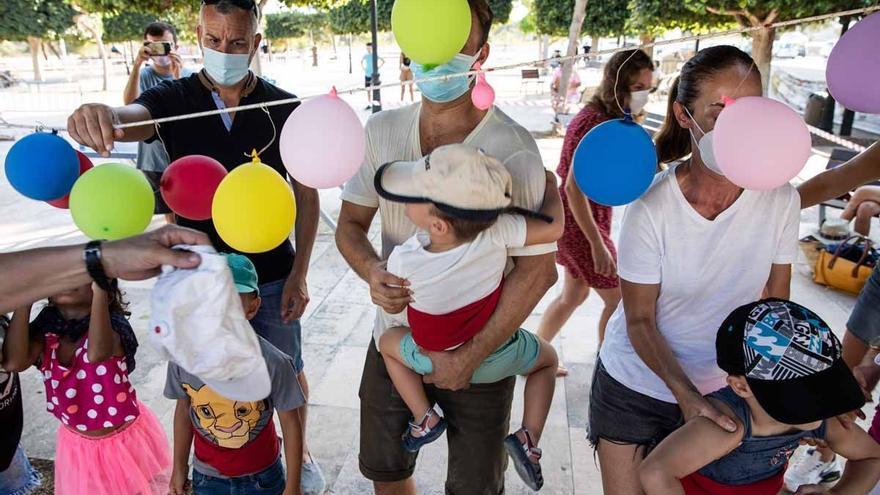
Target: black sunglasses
242,4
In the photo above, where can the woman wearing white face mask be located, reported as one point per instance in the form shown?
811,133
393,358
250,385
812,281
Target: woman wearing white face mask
586,250
692,248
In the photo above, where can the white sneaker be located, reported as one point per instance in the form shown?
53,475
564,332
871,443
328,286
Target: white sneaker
806,468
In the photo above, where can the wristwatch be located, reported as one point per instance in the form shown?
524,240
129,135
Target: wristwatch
95,264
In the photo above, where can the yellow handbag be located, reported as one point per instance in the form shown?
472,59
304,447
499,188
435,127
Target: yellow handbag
841,273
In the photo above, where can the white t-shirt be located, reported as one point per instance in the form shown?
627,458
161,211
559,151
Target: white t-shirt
393,135
705,268
445,282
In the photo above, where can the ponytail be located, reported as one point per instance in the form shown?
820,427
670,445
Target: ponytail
673,141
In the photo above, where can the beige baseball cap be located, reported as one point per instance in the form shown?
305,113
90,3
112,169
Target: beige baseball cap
461,180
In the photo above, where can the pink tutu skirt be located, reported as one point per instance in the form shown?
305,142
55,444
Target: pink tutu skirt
135,460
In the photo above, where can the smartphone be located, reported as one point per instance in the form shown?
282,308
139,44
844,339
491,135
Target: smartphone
158,48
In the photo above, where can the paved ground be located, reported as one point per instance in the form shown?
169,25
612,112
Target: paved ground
337,329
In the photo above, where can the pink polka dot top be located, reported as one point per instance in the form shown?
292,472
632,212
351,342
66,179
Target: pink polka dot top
87,396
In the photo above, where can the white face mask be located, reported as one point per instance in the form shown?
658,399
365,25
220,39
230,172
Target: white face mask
706,146
638,100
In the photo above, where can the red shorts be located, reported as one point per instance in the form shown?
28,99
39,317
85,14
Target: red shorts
696,484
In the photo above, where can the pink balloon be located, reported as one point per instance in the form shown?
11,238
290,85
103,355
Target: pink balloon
483,95
760,143
323,143
853,70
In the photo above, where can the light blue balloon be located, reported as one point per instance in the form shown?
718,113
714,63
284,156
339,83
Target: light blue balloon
42,166
614,164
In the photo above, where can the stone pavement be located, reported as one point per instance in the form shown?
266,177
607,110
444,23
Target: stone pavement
337,329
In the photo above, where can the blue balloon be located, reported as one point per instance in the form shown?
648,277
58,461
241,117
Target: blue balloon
614,164
42,166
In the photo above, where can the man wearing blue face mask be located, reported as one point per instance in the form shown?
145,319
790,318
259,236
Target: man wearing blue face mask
152,158
229,38
478,415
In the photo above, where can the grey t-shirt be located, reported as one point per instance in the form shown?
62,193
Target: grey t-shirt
152,156
234,438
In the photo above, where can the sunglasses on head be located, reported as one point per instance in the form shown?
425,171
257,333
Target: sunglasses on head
242,4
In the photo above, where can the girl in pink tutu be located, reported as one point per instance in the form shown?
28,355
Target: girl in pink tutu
110,443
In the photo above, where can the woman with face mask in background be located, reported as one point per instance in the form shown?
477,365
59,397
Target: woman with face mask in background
586,250
693,248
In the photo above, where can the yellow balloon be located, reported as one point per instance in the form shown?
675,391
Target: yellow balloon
254,209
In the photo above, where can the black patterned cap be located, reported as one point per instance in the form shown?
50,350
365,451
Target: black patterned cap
791,360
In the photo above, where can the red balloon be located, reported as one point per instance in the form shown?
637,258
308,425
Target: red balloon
188,185
84,165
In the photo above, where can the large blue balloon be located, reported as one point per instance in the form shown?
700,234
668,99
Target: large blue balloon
42,166
614,164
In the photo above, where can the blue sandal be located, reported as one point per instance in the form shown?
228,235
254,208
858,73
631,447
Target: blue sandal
412,443
520,453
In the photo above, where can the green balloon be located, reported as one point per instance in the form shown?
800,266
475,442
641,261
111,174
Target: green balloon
112,201
431,32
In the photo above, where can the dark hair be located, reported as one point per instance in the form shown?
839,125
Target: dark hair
228,6
116,300
484,14
159,29
465,230
629,68
369,43
674,141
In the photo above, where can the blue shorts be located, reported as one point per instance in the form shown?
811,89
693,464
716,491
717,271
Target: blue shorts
864,322
287,337
270,481
517,356
20,478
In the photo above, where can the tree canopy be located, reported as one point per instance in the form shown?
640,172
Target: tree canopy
20,19
294,24
126,25
603,17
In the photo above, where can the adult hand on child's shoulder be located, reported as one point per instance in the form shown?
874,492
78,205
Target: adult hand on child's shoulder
141,257
698,406
451,371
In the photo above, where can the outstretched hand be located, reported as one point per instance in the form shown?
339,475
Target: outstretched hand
141,257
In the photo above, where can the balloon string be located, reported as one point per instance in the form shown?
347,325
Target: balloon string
274,136
627,112
533,63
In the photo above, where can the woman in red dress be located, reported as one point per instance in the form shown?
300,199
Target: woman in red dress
586,250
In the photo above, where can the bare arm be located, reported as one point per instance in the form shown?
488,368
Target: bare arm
539,231
20,352
862,455
295,296
779,284
291,429
640,306
386,290
838,181
684,452
93,124
133,86
183,438
583,216
103,341
39,273
523,288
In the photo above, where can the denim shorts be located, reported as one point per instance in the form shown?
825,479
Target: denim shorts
515,357
20,478
287,337
864,322
270,481
626,417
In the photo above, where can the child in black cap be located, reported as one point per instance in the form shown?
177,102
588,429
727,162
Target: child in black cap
786,379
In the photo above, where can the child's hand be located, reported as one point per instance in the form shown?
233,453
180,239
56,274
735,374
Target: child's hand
179,482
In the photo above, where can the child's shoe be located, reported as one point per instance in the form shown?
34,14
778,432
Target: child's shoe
525,458
424,432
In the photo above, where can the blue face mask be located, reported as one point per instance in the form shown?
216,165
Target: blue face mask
440,91
226,69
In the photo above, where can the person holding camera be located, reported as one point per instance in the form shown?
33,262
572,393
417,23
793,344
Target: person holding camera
160,49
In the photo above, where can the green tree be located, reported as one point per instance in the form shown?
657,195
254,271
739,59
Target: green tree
603,17
32,21
126,26
717,14
501,9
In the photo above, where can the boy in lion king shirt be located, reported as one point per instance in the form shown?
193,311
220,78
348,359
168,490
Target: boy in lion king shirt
236,445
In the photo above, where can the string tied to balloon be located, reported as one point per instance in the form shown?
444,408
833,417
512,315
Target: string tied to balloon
271,141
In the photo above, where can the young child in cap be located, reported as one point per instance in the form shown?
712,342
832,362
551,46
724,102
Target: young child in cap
236,446
787,382
460,199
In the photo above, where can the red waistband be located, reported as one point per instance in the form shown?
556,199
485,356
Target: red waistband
441,332
697,484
